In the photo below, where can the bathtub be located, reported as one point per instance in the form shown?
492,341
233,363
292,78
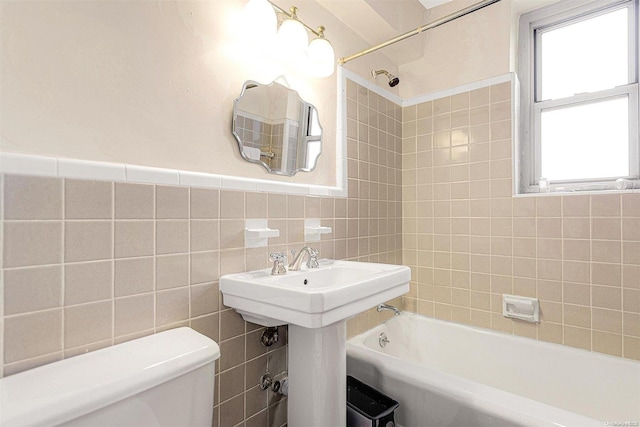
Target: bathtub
445,374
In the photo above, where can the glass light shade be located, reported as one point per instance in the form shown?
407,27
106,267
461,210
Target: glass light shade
321,57
292,39
260,18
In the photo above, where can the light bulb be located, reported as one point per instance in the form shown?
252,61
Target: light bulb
321,57
260,19
292,39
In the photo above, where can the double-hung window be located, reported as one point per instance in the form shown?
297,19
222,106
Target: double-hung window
578,69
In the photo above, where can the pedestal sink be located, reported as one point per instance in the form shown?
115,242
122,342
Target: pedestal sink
315,303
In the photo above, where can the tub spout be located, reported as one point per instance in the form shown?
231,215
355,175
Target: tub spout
381,307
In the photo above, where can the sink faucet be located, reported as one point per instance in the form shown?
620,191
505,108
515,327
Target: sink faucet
381,307
278,263
312,262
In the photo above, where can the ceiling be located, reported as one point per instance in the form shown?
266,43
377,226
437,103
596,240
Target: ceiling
377,21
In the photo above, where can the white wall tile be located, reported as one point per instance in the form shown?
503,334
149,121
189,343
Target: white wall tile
143,174
83,169
28,165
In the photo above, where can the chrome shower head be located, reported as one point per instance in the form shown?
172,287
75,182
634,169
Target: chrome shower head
393,80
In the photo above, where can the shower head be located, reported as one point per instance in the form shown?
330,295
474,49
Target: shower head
393,80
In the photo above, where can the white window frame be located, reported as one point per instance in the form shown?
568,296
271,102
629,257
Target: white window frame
532,25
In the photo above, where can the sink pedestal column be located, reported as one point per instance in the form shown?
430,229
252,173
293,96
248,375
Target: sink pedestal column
317,376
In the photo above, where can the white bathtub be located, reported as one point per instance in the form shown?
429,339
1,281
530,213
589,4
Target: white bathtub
445,374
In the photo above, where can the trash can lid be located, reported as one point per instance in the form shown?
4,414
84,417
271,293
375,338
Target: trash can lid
367,401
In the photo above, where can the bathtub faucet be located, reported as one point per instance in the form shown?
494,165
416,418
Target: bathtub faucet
383,306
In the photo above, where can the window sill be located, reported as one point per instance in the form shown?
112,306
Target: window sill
577,192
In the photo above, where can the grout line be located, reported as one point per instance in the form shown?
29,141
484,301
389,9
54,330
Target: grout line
62,269
113,262
155,259
622,349
590,219
2,208
189,232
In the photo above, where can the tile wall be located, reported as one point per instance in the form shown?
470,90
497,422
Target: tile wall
88,264
257,134
468,240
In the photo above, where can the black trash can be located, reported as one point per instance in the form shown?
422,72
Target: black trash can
367,407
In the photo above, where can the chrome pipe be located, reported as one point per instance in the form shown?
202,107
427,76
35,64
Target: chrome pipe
455,15
383,306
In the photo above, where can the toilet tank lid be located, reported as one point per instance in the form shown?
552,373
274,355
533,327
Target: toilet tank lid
64,390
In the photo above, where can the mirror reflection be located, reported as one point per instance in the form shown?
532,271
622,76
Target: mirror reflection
276,128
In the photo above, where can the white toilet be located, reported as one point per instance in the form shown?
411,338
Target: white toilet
166,379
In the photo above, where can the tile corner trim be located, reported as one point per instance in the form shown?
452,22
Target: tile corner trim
28,164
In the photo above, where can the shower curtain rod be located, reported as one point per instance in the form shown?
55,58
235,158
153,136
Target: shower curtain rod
436,23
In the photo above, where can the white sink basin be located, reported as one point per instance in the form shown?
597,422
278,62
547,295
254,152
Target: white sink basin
313,298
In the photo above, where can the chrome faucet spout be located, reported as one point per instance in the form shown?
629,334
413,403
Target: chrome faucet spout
381,307
312,262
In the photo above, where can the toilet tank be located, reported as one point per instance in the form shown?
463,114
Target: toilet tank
166,379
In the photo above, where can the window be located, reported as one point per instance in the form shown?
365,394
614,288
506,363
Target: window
578,73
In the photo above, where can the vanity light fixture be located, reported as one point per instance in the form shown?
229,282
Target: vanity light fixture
292,37
293,41
261,18
321,55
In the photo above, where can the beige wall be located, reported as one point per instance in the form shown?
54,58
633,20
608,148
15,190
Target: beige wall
469,241
469,49
88,264
474,47
147,83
